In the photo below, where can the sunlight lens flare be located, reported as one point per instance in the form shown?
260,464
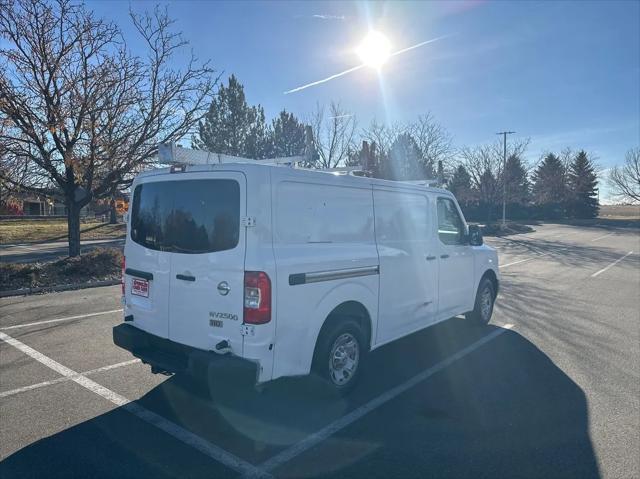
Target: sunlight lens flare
375,49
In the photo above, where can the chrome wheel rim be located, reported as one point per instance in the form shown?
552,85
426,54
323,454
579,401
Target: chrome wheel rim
343,359
486,303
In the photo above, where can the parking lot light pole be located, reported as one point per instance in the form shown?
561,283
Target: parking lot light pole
504,179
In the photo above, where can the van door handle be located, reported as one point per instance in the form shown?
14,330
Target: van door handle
430,258
185,277
139,274
444,256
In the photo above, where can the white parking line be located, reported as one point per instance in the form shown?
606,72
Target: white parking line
80,316
329,430
600,237
522,261
611,265
214,452
515,262
66,378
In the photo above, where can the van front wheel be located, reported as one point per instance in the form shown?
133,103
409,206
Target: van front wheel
483,308
339,356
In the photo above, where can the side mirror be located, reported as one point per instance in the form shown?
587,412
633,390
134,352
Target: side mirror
475,235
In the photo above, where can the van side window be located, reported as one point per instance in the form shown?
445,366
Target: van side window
401,216
308,213
450,225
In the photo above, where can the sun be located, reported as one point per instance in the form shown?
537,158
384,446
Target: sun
375,49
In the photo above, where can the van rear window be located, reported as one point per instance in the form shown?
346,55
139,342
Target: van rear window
191,216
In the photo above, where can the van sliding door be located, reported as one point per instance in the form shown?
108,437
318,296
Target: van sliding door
408,287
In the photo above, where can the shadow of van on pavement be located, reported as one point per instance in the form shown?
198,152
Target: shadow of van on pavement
505,410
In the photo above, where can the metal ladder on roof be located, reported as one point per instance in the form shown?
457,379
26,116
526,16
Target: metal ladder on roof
172,154
177,156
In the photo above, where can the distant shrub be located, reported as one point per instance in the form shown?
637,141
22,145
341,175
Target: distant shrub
96,265
97,262
496,229
27,274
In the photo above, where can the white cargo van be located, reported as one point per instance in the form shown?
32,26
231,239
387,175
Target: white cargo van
278,271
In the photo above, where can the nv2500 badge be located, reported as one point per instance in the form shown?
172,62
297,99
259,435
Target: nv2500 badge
213,315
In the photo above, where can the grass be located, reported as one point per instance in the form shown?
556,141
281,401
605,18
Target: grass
97,265
620,212
622,216
25,231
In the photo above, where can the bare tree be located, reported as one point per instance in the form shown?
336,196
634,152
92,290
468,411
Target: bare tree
481,163
333,135
625,180
433,140
566,156
484,163
382,135
80,114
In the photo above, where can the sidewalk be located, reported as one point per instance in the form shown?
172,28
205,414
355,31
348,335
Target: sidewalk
30,252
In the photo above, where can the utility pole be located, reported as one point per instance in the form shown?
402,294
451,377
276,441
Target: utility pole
504,178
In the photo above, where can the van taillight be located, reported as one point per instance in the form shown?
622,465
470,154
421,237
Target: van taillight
124,266
257,297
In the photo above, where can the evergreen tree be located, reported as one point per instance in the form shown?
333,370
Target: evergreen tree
582,182
460,186
368,158
403,161
549,187
518,187
258,140
488,194
231,126
286,136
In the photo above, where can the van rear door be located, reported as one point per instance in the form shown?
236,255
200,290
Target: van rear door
207,260
148,259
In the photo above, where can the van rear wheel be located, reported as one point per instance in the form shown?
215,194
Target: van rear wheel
339,356
483,308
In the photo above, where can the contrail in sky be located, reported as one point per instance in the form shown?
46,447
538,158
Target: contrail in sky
350,70
417,45
324,80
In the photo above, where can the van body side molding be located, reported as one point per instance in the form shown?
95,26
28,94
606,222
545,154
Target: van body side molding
318,276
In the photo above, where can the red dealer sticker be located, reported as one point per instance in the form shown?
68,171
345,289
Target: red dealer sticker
140,287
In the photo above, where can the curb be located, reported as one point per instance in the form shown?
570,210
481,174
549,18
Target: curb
62,287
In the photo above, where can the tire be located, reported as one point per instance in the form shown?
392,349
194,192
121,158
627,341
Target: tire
483,307
341,343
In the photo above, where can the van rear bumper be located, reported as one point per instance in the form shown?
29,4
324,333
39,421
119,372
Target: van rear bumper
165,355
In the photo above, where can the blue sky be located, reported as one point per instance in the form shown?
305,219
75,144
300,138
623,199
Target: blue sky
565,74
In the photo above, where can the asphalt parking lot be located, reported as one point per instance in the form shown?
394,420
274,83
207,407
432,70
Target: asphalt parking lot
551,388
